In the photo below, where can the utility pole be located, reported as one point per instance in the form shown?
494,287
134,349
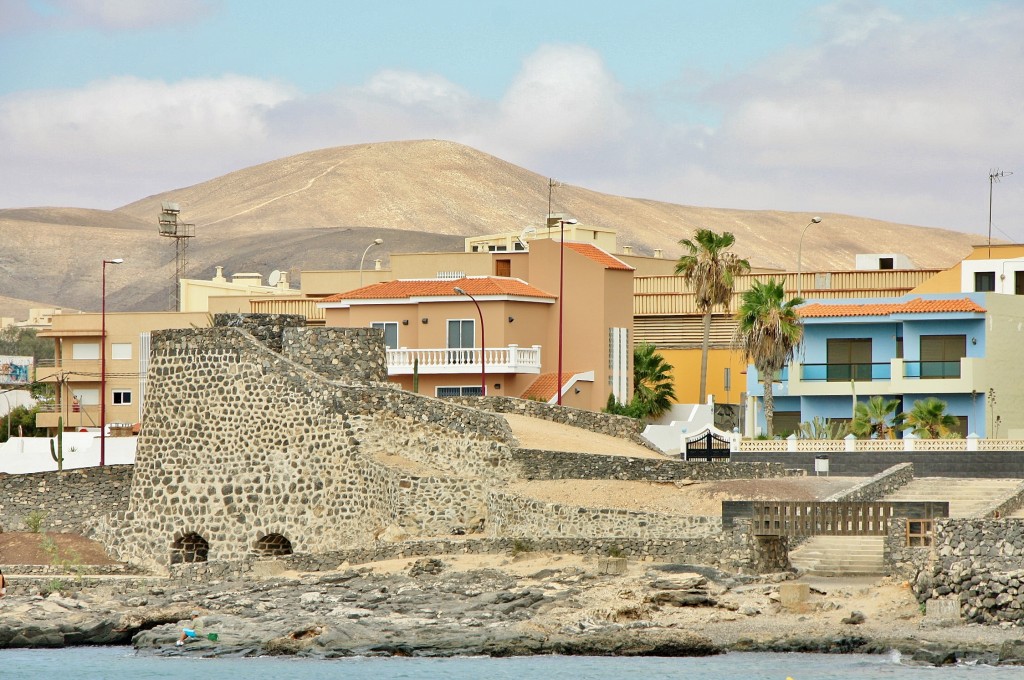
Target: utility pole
994,176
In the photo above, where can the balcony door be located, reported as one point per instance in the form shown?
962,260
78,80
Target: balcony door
941,355
460,337
848,359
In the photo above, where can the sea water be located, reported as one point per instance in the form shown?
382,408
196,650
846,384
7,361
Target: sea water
121,663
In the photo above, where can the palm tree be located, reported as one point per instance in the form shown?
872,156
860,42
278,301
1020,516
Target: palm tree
929,419
768,333
652,383
877,415
710,271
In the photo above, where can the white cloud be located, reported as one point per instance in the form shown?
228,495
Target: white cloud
132,134
875,115
125,14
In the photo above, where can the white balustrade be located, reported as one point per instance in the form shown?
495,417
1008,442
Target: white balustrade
511,359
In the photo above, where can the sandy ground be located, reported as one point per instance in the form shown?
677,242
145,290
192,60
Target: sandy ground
543,434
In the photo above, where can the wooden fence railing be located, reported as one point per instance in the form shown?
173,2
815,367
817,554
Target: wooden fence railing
819,518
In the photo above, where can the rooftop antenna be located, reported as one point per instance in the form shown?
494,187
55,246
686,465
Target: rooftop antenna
994,176
180,232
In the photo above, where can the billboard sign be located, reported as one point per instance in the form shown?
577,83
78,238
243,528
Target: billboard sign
15,370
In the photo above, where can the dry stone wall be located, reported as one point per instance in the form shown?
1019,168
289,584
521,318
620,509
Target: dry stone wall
515,516
248,451
240,443
536,464
977,562
69,501
354,355
594,421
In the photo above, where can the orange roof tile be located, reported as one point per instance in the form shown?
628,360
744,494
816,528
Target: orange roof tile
915,306
597,255
545,385
408,288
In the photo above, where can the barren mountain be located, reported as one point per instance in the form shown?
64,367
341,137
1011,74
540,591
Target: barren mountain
319,209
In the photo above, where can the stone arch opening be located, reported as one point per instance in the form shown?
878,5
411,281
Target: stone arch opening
272,545
189,548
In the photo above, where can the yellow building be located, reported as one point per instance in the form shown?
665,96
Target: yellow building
75,372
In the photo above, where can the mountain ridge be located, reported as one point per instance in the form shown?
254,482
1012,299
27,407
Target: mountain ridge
319,209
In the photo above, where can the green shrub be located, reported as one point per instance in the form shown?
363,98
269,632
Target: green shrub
34,520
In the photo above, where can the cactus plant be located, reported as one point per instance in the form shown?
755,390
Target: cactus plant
416,376
58,453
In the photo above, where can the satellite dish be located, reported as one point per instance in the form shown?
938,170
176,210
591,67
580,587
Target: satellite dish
274,278
523,234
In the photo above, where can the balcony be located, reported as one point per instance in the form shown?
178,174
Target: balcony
845,372
893,377
511,359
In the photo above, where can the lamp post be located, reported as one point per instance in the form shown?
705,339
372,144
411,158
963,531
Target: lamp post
561,292
376,242
483,345
799,253
103,361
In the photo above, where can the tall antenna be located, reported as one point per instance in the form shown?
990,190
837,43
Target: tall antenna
994,175
181,233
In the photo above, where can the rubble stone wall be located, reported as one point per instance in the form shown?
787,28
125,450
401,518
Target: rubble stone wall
979,562
594,421
66,501
536,464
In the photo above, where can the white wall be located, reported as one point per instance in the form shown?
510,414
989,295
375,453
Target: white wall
21,455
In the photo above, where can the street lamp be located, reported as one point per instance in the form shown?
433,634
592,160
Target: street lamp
799,253
376,242
483,345
561,291
103,361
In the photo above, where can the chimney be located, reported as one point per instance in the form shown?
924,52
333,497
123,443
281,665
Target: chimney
376,265
627,250
657,253
219,276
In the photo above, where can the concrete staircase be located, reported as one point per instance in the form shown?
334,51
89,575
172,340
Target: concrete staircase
967,497
840,556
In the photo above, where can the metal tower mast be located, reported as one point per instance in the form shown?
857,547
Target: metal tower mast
181,233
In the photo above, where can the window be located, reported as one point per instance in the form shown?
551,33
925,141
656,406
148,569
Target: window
899,346
122,397
83,351
984,282
460,341
390,329
785,423
848,359
466,391
87,396
885,263
121,350
941,354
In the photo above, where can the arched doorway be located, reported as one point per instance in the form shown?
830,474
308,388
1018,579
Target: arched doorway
272,545
189,548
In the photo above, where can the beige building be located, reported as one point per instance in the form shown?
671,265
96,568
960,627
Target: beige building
75,371
428,323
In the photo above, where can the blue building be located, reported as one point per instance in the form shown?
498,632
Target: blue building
955,346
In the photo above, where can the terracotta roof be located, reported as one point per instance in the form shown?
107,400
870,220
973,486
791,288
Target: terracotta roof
409,288
545,385
597,255
915,306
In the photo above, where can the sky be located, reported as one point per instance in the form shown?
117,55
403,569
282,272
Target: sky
898,110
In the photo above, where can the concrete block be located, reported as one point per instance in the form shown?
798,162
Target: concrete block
942,610
794,595
612,566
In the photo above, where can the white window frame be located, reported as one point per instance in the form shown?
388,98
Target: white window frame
117,397
384,325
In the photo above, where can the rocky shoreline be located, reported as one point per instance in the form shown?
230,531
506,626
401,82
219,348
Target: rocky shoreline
500,606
